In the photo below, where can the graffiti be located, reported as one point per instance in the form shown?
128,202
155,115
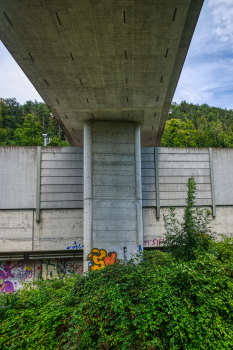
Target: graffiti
48,268
99,258
66,267
51,268
76,246
155,242
13,274
140,252
5,285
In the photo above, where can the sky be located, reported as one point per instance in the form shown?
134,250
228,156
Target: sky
207,75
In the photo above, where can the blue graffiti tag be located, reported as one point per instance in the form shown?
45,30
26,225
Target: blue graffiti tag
140,252
76,246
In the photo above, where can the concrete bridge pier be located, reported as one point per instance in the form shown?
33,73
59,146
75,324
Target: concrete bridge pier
112,192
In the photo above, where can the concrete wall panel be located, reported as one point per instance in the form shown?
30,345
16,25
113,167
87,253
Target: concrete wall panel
59,229
154,230
62,164
188,150
175,168
62,174
62,229
223,175
183,180
148,177
16,230
62,204
182,202
62,177
18,167
57,155
62,180
60,188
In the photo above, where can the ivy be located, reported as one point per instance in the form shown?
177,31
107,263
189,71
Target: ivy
161,303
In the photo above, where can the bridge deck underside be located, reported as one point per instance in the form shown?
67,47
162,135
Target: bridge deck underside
102,60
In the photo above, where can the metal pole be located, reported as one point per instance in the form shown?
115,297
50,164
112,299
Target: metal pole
38,184
157,183
45,139
212,182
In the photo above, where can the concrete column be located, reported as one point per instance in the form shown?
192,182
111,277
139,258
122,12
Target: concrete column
87,193
138,176
113,227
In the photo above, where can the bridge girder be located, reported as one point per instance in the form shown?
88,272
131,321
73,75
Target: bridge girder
102,60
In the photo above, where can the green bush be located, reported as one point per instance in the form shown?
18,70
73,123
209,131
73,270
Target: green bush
161,303
194,233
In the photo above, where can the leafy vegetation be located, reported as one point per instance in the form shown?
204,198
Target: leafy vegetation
23,125
194,233
189,125
192,125
161,303
180,300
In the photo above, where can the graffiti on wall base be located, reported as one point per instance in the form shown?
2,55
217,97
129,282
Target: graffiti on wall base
51,268
13,274
99,258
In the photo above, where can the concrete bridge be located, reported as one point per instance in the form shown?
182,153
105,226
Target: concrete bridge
108,71
42,207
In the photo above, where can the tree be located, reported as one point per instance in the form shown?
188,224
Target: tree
58,142
179,134
14,118
194,234
30,134
3,136
211,126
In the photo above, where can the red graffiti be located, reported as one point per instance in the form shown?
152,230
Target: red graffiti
109,260
155,242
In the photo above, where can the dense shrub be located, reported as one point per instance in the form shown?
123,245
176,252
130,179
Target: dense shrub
161,303
184,239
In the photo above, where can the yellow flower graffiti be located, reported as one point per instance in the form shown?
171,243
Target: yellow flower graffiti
100,258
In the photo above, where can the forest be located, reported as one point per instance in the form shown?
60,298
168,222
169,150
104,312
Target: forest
23,125
188,125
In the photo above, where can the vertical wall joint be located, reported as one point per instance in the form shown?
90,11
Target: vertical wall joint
38,183
138,181
88,192
157,183
212,182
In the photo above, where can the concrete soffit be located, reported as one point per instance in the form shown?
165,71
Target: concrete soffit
119,62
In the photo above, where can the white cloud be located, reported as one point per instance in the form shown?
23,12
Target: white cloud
207,75
222,12
207,82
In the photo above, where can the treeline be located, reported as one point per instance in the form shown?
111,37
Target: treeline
23,125
190,125
187,125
